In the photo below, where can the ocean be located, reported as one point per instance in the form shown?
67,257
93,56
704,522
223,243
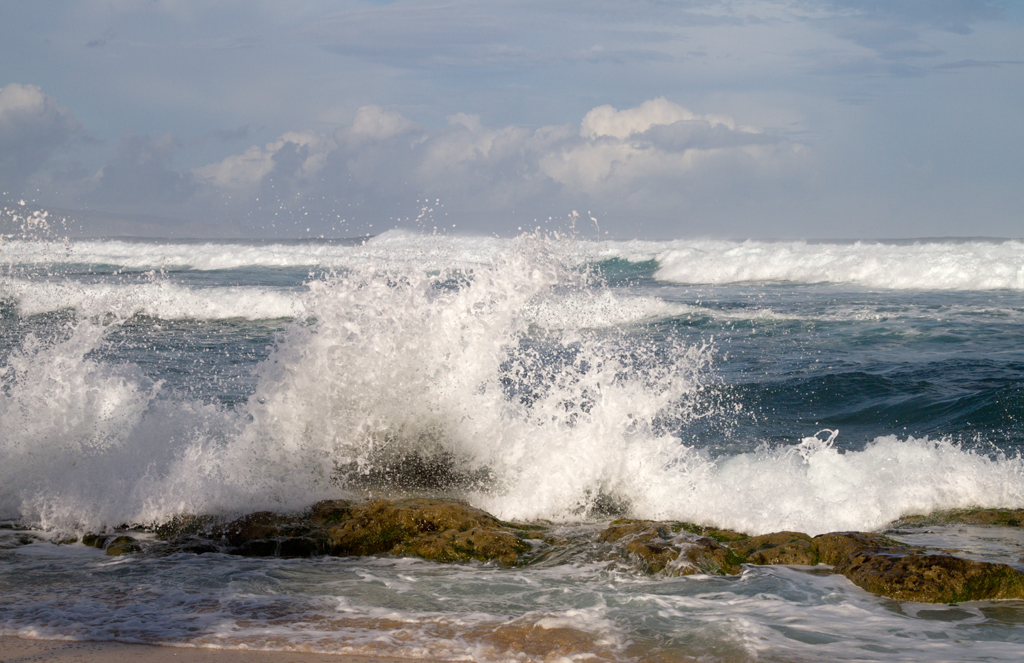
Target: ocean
753,385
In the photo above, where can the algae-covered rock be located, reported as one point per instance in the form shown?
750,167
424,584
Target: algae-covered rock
999,517
432,529
835,547
648,543
931,578
121,545
777,548
94,540
716,533
707,556
659,549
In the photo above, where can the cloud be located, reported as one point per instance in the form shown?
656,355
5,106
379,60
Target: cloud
248,170
375,123
658,150
141,174
32,127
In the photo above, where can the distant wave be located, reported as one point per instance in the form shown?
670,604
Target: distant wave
923,264
932,265
158,299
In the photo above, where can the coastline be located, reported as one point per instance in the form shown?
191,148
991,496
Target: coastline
20,650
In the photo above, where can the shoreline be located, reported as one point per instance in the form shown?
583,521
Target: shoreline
14,649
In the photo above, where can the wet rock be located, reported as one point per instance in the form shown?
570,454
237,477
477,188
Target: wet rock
659,549
298,546
196,547
121,545
720,535
931,578
1000,517
257,548
187,525
95,540
432,529
707,556
259,525
777,548
17,540
835,547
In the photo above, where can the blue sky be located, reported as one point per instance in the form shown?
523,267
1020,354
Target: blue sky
788,119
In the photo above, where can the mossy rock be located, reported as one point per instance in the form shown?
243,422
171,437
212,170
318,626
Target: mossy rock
706,556
95,540
478,543
835,547
996,517
259,525
931,578
121,545
659,548
445,531
720,535
187,525
777,548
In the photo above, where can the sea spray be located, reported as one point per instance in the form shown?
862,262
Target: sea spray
508,374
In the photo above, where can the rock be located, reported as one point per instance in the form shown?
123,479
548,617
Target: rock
657,549
432,529
777,548
720,535
257,548
443,531
185,525
1000,517
121,545
446,531
835,547
647,543
931,578
95,540
707,556
298,546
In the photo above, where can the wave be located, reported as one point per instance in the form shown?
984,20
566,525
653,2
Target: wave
927,265
923,264
156,299
447,383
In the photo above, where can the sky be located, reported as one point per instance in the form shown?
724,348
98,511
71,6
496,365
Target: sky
787,119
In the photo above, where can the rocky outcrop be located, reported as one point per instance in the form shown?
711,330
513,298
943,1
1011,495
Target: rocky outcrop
431,529
446,531
873,562
669,549
777,548
1001,517
931,578
113,544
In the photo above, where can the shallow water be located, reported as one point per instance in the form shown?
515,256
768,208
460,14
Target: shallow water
751,385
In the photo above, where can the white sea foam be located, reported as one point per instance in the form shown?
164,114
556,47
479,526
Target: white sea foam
938,265
394,246
158,299
924,264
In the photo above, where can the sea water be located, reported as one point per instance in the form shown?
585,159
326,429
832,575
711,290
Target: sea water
753,385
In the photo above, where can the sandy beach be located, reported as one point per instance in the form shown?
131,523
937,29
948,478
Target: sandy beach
19,650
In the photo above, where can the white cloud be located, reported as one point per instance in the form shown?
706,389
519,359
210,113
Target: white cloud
32,127
247,170
659,150
606,121
375,123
